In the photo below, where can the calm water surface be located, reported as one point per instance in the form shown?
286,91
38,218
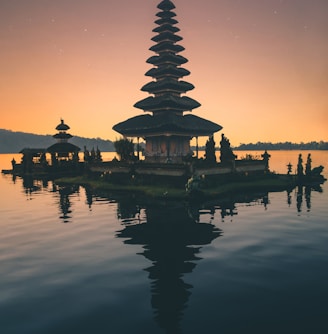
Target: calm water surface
72,261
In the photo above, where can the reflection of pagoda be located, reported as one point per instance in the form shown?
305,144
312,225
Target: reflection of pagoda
65,192
63,150
169,239
167,131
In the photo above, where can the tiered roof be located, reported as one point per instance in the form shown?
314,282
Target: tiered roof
166,89
167,71
62,137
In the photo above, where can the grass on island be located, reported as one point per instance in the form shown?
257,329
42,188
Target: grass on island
264,183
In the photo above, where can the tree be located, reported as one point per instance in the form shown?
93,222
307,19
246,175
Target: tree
125,149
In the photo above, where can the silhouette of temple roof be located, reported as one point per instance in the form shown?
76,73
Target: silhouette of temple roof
166,14
62,126
172,225
167,71
166,36
166,46
62,135
63,148
166,27
167,105
166,5
32,151
166,20
167,59
167,84
62,145
178,124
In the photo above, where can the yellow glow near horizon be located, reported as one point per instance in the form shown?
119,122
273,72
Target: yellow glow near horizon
260,69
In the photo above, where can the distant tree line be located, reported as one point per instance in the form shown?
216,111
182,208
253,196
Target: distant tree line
313,145
262,146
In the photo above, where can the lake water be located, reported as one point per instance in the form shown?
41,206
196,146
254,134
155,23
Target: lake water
73,261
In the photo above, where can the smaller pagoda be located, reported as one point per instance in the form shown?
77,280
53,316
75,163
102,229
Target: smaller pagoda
63,151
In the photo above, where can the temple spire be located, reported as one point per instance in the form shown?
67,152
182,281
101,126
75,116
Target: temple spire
167,86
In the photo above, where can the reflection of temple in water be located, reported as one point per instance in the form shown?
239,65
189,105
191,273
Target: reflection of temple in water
301,193
32,185
64,202
171,239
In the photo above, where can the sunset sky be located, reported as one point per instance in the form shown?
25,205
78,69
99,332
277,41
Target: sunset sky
260,67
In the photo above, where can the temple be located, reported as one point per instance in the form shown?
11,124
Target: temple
165,127
63,151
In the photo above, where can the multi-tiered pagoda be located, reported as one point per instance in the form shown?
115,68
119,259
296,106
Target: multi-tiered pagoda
63,150
165,128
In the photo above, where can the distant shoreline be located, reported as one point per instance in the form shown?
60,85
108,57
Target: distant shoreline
12,142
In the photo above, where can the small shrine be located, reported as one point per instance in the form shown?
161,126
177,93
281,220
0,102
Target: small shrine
63,151
165,127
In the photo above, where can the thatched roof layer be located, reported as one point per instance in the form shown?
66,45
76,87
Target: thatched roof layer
166,47
167,71
168,84
167,59
166,5
63,148
166,27
167,102
167,36
144,125
166,14
62,126
62,135
166,21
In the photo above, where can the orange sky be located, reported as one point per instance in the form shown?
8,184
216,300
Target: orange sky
260,67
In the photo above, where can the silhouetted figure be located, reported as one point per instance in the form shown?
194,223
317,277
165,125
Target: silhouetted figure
13,163
226,152
289,168
266,156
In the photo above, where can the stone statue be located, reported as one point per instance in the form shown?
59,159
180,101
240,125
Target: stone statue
226,152
13,163
266,156
210,150
300,166
308,166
